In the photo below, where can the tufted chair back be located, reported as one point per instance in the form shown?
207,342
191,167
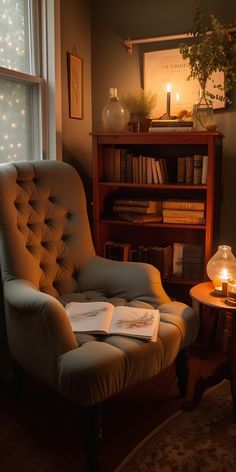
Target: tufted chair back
46,237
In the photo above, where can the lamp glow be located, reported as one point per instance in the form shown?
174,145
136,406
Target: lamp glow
220,268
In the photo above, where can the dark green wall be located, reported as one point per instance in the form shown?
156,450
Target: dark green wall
112,22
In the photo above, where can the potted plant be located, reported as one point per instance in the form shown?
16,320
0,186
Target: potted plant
140,105
212,48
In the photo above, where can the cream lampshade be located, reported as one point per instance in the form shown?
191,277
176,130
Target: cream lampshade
220,268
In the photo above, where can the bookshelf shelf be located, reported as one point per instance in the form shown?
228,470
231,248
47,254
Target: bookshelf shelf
166,147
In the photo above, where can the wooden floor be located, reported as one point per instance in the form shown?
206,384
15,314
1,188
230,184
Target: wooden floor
41,432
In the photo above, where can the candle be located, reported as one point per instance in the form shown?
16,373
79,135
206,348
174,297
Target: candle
168,89
231,295
220,282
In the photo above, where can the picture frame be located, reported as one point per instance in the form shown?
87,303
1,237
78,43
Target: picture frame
167,66
75,85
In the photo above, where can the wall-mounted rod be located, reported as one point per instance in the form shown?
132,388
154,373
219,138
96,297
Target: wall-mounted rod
130,42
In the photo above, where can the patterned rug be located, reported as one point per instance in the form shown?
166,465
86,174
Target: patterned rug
203,440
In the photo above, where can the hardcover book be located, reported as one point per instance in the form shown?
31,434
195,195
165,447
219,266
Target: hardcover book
140,218
104,318
184,204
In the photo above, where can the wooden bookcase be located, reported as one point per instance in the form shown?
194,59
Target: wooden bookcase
171,146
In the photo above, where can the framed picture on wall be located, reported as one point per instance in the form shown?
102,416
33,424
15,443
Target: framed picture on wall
75,82
166,70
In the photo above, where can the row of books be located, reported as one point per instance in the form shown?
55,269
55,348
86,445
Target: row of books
192,169
180,259
139,210
121,165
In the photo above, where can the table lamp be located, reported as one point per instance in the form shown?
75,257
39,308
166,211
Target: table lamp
220,268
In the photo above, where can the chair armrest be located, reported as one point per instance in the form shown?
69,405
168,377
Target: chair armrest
23,299
130,280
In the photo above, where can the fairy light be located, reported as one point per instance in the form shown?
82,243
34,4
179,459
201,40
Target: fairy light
14,54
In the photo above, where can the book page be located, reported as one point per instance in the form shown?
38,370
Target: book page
93,317
136,322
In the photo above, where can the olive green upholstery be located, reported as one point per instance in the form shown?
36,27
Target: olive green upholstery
47,258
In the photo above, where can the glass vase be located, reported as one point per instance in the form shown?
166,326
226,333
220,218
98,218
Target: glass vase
220,268
203,115
114,115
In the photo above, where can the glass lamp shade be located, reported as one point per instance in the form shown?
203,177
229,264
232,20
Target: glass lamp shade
220,268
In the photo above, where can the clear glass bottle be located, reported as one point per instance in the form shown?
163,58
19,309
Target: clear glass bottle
114,115
221,267
203,114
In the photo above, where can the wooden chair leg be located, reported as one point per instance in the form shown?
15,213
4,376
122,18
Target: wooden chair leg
182,372
92,432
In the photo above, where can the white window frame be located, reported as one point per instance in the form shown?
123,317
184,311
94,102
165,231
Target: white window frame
46,89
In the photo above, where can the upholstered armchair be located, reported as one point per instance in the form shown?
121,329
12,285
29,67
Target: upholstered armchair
47,258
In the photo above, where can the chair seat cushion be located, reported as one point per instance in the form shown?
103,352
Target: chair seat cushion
134,360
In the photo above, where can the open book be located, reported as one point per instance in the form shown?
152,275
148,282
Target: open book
104,318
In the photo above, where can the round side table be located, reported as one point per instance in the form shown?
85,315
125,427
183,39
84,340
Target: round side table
202,295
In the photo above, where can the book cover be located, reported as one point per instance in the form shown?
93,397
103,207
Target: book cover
184,204
104,318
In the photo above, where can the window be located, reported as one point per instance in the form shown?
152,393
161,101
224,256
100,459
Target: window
26,43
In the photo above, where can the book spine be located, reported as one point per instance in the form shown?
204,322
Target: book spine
138,202
178,259
189,170
123,165
149,171
185,205
171,129
181,161
197,169
132,209
183,213
159,172
154,171
191,220
204,170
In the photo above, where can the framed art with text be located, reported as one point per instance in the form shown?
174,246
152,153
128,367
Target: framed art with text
167,68
75,82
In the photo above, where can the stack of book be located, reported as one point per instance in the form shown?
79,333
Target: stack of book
183,212
188,261
171,126
137,209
